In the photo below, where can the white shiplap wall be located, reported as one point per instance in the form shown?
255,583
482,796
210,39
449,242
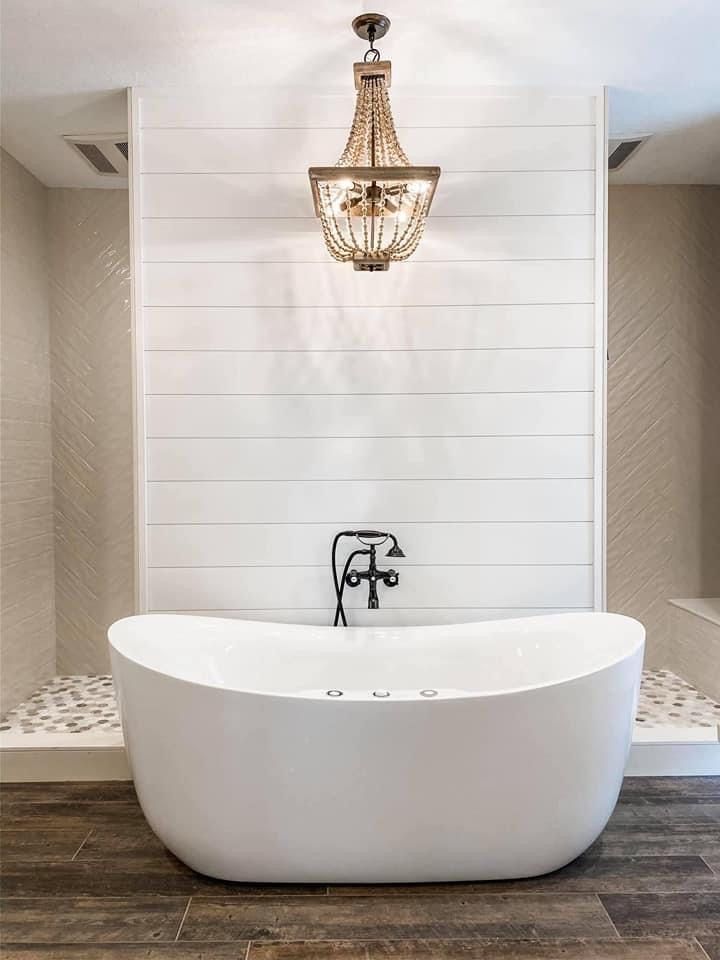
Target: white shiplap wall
283,397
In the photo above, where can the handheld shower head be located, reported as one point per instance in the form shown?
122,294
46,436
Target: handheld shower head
368,536
395,550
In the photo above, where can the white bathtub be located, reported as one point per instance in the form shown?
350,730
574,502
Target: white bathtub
247,769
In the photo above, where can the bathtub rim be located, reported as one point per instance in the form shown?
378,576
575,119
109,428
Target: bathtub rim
635,645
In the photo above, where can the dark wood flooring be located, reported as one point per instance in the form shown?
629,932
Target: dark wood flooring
83,877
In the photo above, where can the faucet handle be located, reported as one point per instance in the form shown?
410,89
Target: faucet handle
391,578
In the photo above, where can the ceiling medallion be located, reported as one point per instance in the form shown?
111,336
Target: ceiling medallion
372,204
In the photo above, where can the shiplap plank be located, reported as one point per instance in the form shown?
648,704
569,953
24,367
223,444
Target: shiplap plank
398,616
205,588
369,328
371,416
322,284
270,108
393,458
445,238
288,195
379,371
388,501
262,544
286,150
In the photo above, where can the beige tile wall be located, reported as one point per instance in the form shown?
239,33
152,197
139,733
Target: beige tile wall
67,510
695,346
27,635
663,402
91,421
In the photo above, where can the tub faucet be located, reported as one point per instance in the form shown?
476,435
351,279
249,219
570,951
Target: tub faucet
370,540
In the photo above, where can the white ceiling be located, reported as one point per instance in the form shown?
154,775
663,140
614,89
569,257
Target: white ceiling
65,63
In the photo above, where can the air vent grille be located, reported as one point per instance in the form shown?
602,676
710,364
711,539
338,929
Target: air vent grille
106,153
620,151
96,157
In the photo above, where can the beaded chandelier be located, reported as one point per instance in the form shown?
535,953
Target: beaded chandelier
372,204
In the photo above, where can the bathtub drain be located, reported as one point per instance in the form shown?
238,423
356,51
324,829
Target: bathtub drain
334,693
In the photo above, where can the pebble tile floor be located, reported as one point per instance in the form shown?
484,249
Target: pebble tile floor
83,704
79,704
668,701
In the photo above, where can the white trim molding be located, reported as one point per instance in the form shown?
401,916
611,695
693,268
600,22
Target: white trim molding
138,348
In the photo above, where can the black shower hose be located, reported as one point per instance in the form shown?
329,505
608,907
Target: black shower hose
340,585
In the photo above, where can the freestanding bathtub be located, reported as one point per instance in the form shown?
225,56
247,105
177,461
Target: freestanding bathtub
282,753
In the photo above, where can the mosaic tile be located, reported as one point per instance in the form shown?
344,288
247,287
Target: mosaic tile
77,704
668,701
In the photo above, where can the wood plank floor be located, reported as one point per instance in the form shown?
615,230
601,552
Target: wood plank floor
82,876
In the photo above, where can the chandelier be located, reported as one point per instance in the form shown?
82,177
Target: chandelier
372,204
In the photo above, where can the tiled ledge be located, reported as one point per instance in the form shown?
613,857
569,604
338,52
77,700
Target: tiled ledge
708,608
694,649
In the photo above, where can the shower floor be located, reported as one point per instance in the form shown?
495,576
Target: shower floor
78,704
86,704
666,700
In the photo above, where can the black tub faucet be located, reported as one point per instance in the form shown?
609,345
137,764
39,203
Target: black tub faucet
370,540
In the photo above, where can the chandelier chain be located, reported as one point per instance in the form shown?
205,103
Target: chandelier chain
371,55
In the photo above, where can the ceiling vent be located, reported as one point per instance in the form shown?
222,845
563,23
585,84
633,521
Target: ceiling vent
620,151
106,153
